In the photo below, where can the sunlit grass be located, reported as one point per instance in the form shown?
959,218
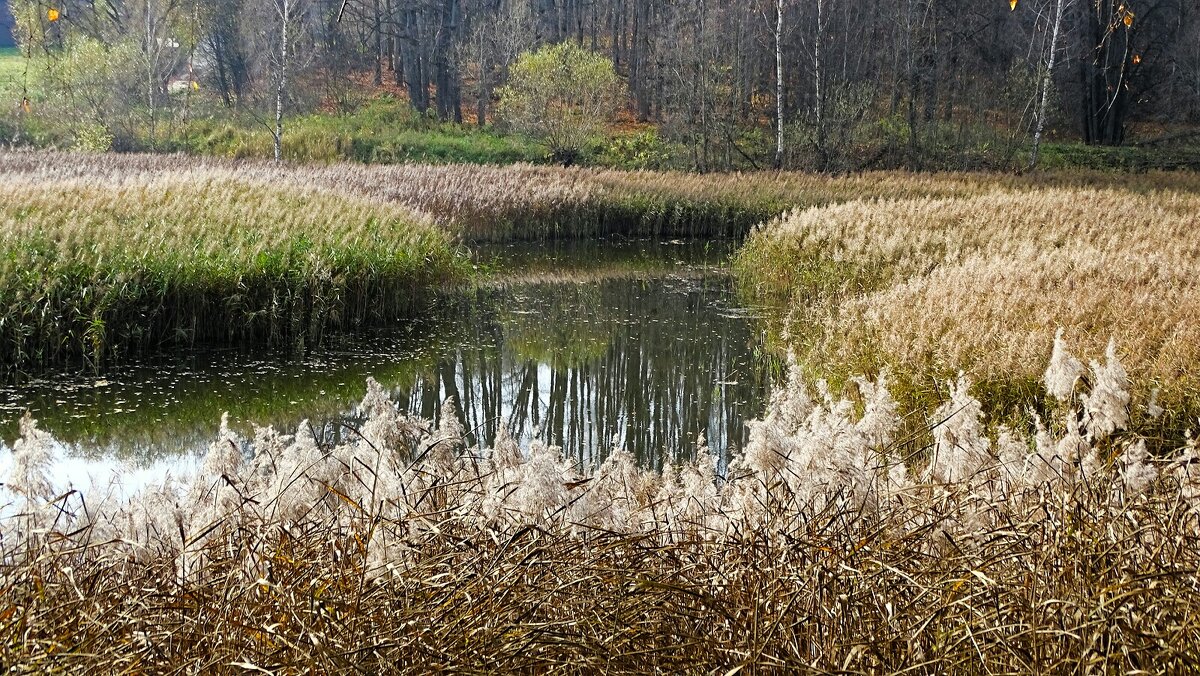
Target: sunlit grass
12,77
94,266
382,131
929,286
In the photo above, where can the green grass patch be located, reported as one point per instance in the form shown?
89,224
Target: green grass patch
383,131
1059,156
12,75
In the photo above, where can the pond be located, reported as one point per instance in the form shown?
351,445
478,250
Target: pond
644,344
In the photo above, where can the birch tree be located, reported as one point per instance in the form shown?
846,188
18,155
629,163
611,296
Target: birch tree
778,33
289,18
814,43
160,54
284,9
1047,80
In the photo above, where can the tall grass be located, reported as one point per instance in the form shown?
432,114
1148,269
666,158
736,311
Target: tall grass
252,251
95,264
830,545
930,286
526,202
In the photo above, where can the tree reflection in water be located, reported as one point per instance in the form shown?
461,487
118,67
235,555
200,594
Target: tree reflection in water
648,364
644,342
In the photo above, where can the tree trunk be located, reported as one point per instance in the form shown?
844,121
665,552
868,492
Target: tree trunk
778,84
378,29
1047,81
819,83
285,15
1104,74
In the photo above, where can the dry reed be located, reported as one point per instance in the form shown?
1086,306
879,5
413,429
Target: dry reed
527,202
931,286
1049,550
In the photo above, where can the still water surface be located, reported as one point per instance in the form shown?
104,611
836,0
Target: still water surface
644,344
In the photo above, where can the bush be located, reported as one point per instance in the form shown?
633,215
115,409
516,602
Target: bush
562,94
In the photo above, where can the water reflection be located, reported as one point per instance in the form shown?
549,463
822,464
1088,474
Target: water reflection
647,364
645,344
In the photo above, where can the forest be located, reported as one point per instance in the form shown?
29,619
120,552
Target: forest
827,85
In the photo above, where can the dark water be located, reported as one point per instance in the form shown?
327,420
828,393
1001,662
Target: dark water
641,343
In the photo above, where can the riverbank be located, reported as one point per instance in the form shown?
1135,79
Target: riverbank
526,202
866,524
569,341
930,286
96,265
158,250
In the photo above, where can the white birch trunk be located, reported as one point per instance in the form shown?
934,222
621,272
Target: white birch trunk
818,78
151,66
1047,80
285,15
778,84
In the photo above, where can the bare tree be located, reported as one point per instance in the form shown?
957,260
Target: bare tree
290,23
160,54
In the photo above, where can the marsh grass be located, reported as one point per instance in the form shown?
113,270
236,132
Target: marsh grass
830,593
929,286
287,284
100,266
528,202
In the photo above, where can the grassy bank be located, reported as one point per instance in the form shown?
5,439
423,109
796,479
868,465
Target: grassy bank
382,131
95,265
827,546
929,286
12,75
258,237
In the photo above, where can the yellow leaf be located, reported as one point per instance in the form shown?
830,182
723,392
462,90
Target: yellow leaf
52,15
1137,58
195,86
1129,19
25,106
1012,4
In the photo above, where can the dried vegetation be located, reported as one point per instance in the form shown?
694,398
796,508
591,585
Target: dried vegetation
830,545
929,286
849,536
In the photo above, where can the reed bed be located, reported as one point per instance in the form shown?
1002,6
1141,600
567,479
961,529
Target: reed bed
930,286
101,264
831,544
283,263
527,202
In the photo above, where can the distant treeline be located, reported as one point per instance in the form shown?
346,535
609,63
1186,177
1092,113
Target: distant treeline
823,84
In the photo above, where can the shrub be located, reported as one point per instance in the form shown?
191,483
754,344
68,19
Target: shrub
562,94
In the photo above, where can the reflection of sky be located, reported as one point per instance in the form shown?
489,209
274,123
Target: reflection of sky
97,478
683,342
